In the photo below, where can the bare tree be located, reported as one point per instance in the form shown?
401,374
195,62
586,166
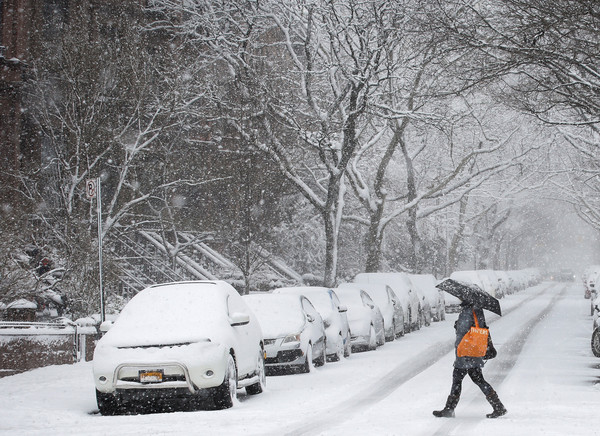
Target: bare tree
307,71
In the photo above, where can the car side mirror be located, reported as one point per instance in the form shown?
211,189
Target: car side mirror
106,326
310,318
237,319
342,309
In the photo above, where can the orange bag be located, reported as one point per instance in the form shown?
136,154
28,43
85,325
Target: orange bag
474,342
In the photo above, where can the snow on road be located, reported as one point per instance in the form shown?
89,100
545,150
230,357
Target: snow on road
545,374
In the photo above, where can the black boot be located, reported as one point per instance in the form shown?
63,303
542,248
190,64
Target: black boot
499,408
448,410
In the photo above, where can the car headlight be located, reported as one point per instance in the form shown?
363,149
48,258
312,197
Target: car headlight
291,338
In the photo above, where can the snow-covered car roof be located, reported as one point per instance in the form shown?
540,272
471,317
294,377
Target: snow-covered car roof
317,295
173,313
399,282
278,314
377,291
22,303
426,284
350,296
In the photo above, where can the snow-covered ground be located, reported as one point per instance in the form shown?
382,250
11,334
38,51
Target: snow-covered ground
545,374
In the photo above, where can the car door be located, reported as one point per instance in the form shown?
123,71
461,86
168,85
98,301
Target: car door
246,333
398,310
376,315
342,310
317,335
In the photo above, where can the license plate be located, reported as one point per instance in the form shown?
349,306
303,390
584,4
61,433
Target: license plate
152,376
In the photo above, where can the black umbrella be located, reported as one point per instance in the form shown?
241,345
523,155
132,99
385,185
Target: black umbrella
470,293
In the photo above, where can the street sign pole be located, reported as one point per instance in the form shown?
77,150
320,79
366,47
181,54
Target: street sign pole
99,208
94,189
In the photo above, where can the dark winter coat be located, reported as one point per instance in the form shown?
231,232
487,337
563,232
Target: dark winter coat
462,325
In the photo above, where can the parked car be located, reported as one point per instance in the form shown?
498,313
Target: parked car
505,282
294,334
592,288
365,318
389,304
588,276
596,341
335,319
181,340
404,289
478,278
434,296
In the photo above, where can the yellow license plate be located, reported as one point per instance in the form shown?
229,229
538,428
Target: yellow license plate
154,376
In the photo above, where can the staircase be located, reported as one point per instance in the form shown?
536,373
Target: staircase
143,259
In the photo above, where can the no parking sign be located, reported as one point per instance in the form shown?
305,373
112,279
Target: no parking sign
91,188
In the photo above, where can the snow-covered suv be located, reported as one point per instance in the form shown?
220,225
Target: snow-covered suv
180,340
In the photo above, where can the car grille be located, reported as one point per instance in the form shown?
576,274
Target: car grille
284,356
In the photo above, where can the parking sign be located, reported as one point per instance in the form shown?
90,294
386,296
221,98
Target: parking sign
90,188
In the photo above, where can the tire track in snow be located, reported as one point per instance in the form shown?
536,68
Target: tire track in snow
387,384
508,356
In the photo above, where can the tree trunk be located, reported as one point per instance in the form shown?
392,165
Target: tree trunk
373,242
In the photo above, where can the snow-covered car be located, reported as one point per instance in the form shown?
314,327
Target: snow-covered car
479,278
403,288
327,303
592,288
294,334
506,284
588,277
182,340
596,341
596,312
425,283
365,318
389,304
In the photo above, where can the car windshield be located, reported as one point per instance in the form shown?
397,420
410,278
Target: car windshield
321,301
279,315
351,298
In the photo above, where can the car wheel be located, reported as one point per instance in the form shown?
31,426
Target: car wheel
372,339
596,342
259,386
227,391
108,404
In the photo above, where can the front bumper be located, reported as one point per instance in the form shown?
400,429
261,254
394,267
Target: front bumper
190,367
280,354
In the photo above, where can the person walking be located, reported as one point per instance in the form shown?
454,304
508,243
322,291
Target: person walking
469,365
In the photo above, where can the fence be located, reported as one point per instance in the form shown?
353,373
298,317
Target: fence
29,345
